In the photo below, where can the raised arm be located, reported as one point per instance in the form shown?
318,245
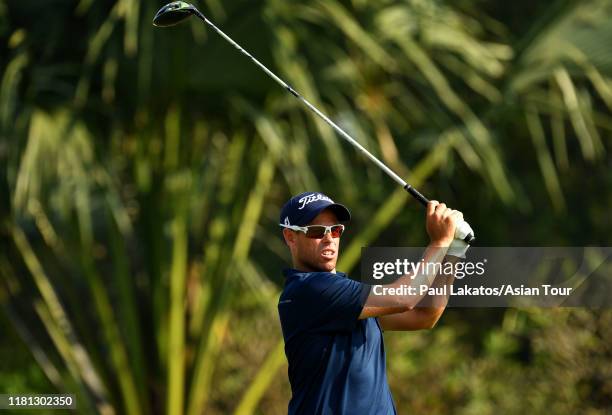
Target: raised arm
440,225
426,314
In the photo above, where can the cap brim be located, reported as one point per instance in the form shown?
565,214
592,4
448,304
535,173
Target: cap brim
341,212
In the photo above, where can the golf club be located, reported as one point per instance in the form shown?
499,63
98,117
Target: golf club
177,11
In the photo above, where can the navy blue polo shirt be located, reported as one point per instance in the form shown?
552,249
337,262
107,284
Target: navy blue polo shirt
336,361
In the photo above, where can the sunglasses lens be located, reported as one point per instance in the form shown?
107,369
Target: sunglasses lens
318,231
315,232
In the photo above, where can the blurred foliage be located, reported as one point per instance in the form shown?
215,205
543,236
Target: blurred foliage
19,371
142,170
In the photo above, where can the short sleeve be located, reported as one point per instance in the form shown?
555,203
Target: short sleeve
332,302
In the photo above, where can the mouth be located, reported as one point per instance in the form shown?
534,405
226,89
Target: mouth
328,253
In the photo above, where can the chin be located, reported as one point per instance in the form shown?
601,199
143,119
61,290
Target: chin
322,266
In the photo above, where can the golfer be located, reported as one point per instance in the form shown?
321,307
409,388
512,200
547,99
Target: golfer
332,325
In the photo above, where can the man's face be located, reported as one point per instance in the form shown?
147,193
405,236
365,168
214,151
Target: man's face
314,254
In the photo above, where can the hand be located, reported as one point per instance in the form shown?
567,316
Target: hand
440,223
458,248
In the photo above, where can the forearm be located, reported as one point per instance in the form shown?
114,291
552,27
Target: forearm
439,292
408,290
431,307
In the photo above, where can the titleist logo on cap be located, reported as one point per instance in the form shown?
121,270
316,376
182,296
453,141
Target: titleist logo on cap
313,198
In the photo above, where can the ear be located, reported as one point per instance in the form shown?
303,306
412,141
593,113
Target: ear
289,236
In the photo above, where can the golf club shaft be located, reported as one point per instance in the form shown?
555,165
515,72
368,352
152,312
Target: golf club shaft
314,109
463,230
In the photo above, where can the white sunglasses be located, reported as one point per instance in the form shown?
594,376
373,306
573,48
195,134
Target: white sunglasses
317,231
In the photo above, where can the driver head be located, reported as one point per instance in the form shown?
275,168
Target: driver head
173,13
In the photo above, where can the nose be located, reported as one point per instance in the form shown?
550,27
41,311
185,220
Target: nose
328,235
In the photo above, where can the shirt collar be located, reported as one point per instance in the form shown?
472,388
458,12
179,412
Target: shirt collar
289,272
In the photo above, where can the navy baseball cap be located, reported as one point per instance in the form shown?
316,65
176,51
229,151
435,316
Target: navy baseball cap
303,208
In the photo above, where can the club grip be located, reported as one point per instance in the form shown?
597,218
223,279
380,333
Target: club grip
463,231
416,194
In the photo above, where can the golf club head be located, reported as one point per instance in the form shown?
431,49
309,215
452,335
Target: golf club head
173,13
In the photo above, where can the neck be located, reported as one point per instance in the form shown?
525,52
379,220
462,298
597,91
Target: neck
300,266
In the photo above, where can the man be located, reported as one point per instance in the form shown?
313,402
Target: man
332,325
